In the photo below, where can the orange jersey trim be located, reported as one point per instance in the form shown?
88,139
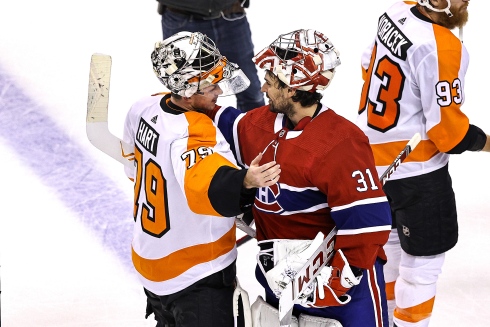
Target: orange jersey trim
202,133
416,313
454,124
176,263
385,153
390,290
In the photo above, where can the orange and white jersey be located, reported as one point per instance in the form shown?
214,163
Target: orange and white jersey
413,82
179,237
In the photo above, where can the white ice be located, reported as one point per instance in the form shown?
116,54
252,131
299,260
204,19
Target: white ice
56,272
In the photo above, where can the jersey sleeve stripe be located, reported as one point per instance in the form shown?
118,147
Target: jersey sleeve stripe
362,217
227,120
176,263
384,153
360,202
453,123
236,142
202,133
364,230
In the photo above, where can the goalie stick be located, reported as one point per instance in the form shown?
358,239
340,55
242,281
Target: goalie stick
307,274
97,112
414,141
250,232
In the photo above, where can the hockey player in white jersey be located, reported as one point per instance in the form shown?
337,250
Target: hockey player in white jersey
186,182
414,73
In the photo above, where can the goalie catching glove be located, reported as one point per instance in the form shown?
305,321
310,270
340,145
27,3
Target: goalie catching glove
289,257
332,284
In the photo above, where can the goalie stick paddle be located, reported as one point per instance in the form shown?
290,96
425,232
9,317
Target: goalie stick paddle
97,112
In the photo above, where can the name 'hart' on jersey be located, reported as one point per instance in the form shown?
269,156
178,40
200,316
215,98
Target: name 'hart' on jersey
147,137
392,38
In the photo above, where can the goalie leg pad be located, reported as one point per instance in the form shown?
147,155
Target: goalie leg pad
265,315
244,316
312,321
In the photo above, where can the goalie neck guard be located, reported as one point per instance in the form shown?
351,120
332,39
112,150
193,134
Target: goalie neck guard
303,59
188,62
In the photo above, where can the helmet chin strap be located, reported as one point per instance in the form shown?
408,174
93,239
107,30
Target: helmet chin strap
426,3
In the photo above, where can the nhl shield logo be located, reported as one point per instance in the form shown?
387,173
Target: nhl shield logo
406,231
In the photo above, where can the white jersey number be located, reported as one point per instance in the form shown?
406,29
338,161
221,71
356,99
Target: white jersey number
191,156
362,180
444,93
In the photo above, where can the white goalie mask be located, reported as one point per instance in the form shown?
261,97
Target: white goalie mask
426,3
189,62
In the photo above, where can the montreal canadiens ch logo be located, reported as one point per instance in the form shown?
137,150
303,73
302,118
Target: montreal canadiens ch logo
266,199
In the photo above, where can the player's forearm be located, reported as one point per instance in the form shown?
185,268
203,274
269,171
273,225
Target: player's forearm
226,193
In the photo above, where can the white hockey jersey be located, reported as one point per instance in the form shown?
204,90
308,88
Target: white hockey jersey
179,237
413,82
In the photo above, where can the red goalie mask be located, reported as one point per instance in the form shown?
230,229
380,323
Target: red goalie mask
304,60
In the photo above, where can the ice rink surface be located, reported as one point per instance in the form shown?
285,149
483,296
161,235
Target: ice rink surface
65,223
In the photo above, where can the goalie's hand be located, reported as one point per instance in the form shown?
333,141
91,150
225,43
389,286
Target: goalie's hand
261,176
332,284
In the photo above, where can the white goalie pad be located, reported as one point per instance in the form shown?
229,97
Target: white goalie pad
312,321
247,315
265,315
294,275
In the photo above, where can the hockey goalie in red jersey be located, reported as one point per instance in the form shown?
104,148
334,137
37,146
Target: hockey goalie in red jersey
328,180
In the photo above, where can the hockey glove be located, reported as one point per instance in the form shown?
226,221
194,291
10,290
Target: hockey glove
292,259
332,284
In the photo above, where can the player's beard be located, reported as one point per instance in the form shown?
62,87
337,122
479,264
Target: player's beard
283,107
459,19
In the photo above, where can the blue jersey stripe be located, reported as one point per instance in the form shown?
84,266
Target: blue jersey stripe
363,216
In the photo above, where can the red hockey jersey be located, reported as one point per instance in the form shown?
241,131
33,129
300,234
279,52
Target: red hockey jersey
328,179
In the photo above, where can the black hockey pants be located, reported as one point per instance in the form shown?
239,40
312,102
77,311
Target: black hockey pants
206,303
